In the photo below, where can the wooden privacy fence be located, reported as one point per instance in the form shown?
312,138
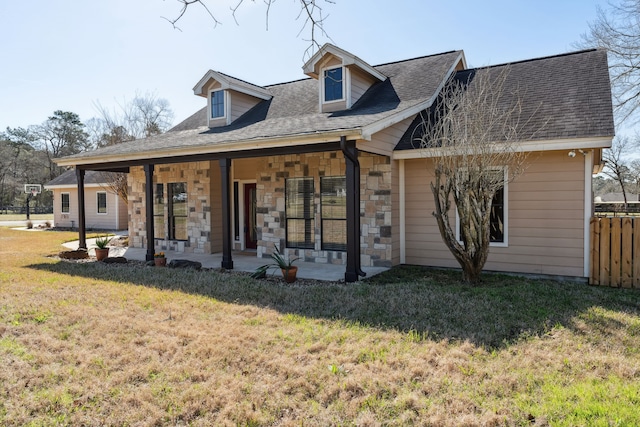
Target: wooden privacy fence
615,252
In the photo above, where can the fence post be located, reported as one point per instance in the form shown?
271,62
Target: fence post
627,250
605,251
594,274
616,251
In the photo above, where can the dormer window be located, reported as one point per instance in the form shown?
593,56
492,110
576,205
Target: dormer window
333,85
217,104
342,77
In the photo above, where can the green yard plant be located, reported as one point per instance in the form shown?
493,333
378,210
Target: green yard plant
89,343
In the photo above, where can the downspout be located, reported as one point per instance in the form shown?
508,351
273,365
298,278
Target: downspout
353,211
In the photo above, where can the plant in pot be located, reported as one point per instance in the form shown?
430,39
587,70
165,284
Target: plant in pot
289,271
102,251
159,259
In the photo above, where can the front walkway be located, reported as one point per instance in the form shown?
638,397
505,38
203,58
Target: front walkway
242,261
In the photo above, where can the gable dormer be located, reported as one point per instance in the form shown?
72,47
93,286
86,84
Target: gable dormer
343,78
227,97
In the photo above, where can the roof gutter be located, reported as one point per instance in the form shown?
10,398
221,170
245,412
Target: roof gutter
521,147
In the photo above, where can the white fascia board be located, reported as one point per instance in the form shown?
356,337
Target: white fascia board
71,186
199,87
526,146
237,146
369,130
309,68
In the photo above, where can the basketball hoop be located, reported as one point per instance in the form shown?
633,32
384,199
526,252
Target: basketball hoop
32,189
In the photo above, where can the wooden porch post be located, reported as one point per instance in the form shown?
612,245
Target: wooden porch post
82,233
353,210
148,188
225,174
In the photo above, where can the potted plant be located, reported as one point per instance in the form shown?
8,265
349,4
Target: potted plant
289,271
159,259
102,251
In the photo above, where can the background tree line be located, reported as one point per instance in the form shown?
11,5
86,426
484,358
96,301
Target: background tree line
27,155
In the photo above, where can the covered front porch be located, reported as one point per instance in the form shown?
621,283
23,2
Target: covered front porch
244,261
216,201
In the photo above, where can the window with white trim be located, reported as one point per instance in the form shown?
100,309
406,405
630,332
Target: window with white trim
498,217
333,81
217,104
65,199
101,197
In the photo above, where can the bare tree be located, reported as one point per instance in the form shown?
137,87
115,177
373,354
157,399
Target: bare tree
472,134
146,115
311,14
617,164
618,30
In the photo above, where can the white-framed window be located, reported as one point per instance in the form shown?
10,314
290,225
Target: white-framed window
333,84
217,102
65,199
499,230
101,202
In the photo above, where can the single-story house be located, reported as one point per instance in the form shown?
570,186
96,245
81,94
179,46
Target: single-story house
325,169
103,208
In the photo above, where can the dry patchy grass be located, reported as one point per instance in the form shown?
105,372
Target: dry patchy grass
95,344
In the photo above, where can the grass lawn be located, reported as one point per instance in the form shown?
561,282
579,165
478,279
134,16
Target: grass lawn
23,217
96,344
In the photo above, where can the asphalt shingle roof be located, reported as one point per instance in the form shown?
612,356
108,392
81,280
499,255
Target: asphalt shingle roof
68,178
293,110
563,96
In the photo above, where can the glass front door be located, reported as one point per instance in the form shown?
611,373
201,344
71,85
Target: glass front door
250,227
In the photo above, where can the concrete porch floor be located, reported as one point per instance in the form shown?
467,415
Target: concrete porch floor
242,261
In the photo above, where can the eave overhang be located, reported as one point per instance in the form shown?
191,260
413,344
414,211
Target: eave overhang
233,84
236,149
312,66
521,147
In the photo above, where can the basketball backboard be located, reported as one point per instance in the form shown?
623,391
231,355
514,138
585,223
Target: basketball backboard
33,189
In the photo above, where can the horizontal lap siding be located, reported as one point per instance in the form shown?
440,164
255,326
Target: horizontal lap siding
241,103
385,141
545,219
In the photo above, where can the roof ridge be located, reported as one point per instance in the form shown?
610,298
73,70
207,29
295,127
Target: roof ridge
540,58
374,66
238,79
416,58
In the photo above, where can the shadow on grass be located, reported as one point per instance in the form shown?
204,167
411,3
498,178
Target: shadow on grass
428,303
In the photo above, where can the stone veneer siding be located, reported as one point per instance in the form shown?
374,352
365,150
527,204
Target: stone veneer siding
197,177
375,205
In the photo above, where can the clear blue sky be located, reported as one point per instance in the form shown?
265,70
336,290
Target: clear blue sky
70,54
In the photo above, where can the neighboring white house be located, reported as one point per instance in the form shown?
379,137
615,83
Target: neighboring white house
105,210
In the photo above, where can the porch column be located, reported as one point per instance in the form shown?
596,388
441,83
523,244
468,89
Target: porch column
148,189
225,181
82,233
353,210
